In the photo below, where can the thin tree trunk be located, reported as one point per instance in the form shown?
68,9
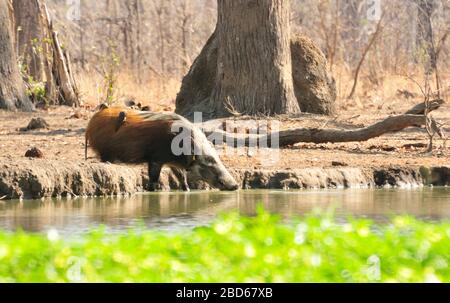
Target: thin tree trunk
64,77
64,82
351,28
185,17
162,42
12,89
425,36
137,9
335,36
82,47
363,57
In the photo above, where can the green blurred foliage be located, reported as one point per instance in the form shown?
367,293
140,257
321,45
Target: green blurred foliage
237,249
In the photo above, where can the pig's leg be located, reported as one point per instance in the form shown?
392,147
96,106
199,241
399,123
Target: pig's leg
154,170
181,174
184,181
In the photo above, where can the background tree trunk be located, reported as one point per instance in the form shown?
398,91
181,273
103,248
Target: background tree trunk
425,37
29,36
12,90
198,84
314,88
254,58
247,77
42,56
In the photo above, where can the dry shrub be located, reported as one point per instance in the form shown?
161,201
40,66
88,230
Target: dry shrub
157,92
396,92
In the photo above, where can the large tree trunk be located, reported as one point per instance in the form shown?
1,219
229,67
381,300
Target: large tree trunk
29,36
42,56
249,77
12,90
198,84
254,59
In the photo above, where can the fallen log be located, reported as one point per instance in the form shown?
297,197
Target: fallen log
419,109
315,135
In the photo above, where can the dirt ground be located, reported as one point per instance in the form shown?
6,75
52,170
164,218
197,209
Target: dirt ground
64,140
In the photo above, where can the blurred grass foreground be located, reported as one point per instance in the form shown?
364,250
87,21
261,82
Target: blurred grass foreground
237,249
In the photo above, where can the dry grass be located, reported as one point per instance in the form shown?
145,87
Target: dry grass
160,92
157,92
384,96
65,140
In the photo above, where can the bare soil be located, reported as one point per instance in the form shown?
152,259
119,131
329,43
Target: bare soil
64,141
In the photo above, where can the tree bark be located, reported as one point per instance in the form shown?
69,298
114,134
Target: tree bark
314,88
425,37
372,41
254,59
198,84
29,37
41,52
12,89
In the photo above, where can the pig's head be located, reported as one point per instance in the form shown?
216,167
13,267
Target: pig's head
205,163
211,170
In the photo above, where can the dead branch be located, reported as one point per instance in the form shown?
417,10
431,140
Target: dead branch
314,135
419,109
59,69
363,57
413,118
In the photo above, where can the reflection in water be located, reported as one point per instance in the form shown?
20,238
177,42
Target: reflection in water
186,210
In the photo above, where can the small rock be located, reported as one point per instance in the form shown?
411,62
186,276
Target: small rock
338,163
36,123
385,148
34,153
389,148
130,102
415,145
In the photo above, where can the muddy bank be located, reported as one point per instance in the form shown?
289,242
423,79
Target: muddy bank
35,179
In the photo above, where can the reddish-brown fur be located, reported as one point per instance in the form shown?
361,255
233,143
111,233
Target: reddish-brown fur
135,141
120,134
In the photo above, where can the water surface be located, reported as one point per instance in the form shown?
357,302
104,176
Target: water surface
174,211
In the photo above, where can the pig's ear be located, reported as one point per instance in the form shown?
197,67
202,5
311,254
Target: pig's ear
103,106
